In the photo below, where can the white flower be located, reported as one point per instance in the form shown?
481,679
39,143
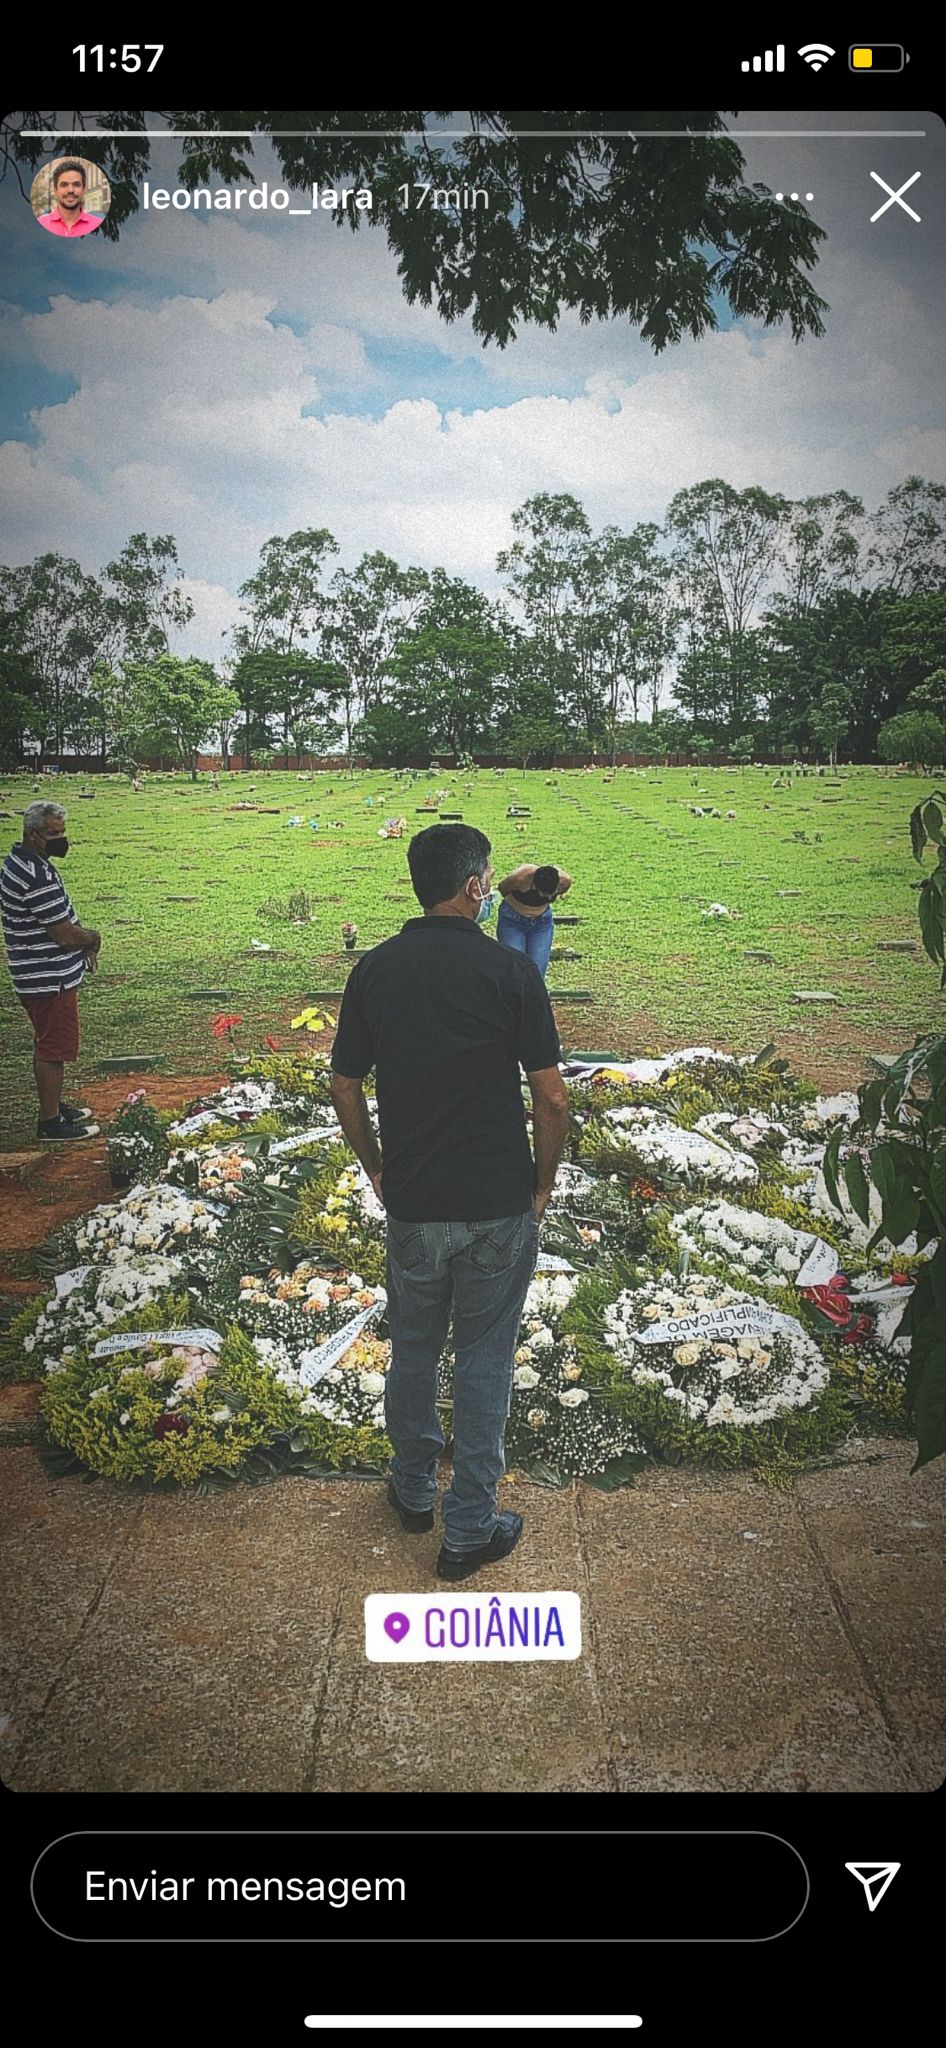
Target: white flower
125,1417
525,1376
574,1397
536,1417
688,1354
543,1339
371,1382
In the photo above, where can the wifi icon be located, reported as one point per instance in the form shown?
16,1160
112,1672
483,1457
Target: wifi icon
816,55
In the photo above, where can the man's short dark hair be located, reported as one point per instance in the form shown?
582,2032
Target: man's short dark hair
71,164
546,881
443,858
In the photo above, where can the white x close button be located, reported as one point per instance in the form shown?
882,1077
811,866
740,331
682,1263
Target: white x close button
896,198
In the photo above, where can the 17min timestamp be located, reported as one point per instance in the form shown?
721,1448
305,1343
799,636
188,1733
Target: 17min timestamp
443,199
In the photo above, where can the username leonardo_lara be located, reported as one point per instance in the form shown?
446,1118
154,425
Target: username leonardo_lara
263,198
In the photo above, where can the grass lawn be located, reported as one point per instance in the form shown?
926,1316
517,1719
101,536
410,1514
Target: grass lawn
819,873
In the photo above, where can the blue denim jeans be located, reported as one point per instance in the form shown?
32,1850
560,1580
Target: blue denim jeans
532,935
477,1274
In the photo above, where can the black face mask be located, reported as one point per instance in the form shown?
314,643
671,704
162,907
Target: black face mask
58,846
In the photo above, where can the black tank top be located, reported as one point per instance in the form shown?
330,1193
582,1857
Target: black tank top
529,896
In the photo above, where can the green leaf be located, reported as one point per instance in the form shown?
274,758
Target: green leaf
883,1171
917,832
933,822
829,1165
929,1407
620,1472
931,920
871,1099
855,1180
938,1183
542,1474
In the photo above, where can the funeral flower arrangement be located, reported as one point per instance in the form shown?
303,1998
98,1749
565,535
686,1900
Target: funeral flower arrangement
246,1266
149,1219
561,1423
193,1404
664,1146
723,1356
752,1245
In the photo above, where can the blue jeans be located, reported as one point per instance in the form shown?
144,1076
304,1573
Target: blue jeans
532,935
479,1274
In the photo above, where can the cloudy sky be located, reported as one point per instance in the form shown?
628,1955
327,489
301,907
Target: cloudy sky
227,377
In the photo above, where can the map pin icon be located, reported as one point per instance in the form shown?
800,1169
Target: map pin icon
396,1626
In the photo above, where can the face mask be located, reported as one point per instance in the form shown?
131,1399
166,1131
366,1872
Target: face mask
484,907
58,846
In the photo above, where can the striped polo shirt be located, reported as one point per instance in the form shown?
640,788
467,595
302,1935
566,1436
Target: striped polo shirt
32,897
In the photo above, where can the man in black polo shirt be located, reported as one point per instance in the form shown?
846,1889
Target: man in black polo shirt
447,1019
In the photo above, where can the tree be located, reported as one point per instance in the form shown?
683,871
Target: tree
726,551
545,569
907,553
175,704
145,598
820,547
450,665
842,640
299,689
528,735
609,224
370,608
284,599
830,717
391,735
914,736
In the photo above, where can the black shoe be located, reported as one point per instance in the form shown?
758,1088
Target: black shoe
58,1128
460,1564
414,1524
75,1113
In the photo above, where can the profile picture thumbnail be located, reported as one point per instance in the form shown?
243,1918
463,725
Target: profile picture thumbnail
70,196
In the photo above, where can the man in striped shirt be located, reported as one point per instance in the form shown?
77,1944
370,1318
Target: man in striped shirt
48,951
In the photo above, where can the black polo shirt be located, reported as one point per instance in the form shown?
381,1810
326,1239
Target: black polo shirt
447,1017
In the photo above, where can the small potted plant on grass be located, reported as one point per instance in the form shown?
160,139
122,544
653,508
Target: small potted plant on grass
350,936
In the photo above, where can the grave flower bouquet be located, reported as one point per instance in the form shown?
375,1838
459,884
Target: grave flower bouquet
137,1139
301,1308
88,1300
351,1393
719,1355
561,1424
756,1247
666,1149
221,1173
195,1409
153,1218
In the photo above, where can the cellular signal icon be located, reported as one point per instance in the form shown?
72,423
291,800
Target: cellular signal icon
773,60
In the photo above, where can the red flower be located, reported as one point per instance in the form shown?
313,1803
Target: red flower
273,1043
900,1280
171,1425
223,1024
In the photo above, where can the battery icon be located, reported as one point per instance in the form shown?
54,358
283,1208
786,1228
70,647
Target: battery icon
877,57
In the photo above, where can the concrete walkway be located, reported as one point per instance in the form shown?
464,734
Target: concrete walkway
735,1639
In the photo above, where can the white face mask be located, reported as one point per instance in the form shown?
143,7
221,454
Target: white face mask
484,907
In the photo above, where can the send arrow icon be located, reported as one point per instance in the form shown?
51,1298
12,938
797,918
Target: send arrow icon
876,1878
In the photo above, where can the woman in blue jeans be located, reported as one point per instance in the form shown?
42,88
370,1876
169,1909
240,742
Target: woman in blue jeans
525,921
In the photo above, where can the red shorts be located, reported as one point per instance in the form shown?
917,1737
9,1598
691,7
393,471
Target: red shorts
55,1021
